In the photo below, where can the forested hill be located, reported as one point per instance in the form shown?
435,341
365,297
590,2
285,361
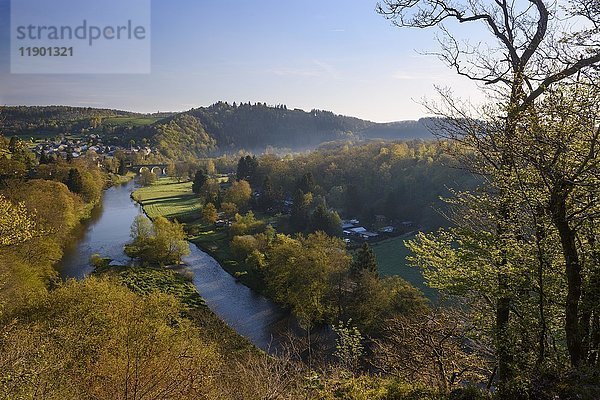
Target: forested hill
221,127
253,127
256,126
23,120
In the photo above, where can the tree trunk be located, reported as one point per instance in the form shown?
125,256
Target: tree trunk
543,264
504,372
558,210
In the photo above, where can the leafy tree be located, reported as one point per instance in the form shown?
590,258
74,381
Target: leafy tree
307,183
142,233
87,339
246,224
163,244
183,138
300,272
229,209
325,220
300,210
209,214
181,170
210,191
246,168
211,169
17,225
239,193
243,246
170,241
365,261
147,177
141,229
348,345
199,180
172,170
268,197
519,74
122,167
75,181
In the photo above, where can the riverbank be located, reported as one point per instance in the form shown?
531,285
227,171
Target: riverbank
116,179
144,281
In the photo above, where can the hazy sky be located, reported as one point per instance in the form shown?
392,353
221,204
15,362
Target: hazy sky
336,55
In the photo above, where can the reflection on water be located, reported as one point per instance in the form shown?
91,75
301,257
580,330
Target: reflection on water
106,233
251,315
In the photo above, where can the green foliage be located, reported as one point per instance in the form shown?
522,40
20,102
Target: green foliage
367,387
365,261
246,224
211,191
239,193
325,220
183,137
256,126
300,214
268,196
50,120
199,180
75,181
84,339
301,273
147,178
402,181
229,209
246,168
348,345
16,224
164,244
242,246
209,214
306,183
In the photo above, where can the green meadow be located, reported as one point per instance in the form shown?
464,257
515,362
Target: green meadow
132,121
170,199
391,258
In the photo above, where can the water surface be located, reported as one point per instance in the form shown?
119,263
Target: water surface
251,315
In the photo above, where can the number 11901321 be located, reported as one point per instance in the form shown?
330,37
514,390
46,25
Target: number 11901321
46,51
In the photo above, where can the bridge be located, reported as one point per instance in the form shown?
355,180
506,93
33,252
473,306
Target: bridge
158,169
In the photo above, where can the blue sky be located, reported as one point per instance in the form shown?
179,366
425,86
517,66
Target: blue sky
334,55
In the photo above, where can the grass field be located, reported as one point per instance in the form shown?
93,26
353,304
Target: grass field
129,121
391,258
169,199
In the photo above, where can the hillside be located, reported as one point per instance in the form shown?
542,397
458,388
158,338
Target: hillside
254,127
52,120
219,128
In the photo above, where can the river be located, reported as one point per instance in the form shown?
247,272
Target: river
253,316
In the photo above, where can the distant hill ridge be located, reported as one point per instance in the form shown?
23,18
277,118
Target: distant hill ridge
219,127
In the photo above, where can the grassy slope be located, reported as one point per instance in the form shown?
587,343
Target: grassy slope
391,258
